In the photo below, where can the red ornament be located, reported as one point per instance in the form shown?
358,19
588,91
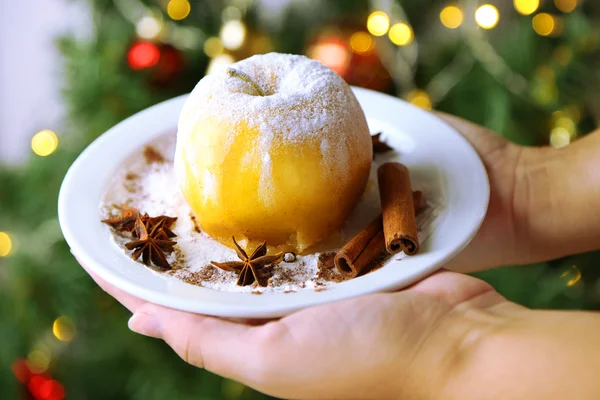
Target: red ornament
169,66
143,55
21,370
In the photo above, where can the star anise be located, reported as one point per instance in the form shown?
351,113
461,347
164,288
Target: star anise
248,267
152,245
126,221
378,145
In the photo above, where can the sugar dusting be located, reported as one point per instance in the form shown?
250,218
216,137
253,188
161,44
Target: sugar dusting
151,186
313,105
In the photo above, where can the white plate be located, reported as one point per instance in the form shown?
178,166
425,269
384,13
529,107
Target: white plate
429,146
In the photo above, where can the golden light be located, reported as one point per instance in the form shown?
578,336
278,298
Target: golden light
560,137
563,121
487,16
219,63
452,17
39,359
544,24
64,329
573,275
378,23
401,34
213,47
5,244
420,98
332,54
148,27
526,7
566,5
44,143
361,42
233,34
178,9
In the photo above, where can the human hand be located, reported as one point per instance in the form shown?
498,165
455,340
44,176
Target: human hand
397,345
543,200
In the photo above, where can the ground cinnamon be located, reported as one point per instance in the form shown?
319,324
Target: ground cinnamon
397,205
360,253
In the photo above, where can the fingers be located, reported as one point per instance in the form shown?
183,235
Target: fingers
130,302
456,289
223,347
484,140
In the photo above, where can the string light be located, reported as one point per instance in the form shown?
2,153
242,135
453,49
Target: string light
559,137
420,98
361,42
63,329
401,34
219,63
452,17
148,27
378,23
566,6
44,143
231,13
526,7
331,53
39,360
178,9
487,16
213,47
544,24
5,244
233,34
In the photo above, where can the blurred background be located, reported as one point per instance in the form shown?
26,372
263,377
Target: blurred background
70,69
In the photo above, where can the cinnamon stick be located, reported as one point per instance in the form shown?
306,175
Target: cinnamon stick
397,205
360,253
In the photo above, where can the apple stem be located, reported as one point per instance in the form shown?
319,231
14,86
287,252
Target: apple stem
234,73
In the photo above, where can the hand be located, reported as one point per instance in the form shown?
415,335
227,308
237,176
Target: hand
543,201
398,345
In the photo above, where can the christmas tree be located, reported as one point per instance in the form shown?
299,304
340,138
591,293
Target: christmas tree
526,69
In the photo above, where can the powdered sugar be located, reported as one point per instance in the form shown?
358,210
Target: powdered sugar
152,188
305,102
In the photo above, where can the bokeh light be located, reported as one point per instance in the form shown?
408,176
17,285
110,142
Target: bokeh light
420,98
5,244
487,16
563,55
526,7
63,329
178,9
566,5
544,24
44,143
148,27
452,17
230,12
39,360
143,55
559,137
213,47
378,23
572,275
401,34
219,63
233,34
361,42
331,53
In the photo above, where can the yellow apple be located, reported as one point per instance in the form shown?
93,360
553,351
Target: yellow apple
276,149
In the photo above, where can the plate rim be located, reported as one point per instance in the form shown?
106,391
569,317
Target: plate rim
244,309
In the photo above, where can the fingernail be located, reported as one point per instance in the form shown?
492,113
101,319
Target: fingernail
145,324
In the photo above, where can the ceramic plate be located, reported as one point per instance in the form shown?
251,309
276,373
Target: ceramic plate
429,147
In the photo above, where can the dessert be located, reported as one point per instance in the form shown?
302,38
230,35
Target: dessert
276,150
